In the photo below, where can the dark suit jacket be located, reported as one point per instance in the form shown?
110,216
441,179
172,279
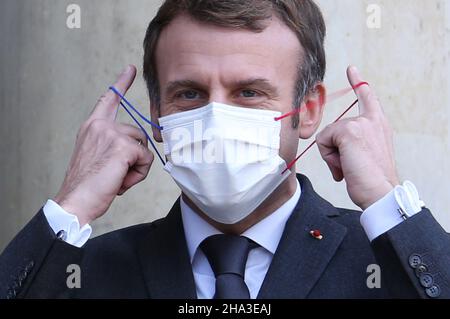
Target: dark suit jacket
151,260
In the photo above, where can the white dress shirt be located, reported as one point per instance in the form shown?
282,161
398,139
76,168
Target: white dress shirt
376,220
267,234
59,219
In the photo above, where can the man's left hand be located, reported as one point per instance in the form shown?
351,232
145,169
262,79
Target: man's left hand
360,149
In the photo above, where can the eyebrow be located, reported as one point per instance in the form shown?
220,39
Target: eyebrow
182,84
261,83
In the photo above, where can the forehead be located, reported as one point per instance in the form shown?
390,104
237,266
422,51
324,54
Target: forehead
191,49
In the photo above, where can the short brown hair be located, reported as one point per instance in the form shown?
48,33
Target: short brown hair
303,17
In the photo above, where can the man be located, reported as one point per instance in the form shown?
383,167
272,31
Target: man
243,228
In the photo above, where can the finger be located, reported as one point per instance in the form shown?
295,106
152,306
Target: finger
106,107
138,172
330,155
367,101
329,142
327,139
132,131
336,171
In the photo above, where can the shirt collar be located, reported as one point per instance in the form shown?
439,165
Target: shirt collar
267,233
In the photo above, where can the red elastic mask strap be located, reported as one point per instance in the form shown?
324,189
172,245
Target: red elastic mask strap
330,98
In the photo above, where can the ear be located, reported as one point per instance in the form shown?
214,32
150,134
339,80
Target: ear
154,114
311,111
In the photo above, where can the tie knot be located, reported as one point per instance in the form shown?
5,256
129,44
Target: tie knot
227,254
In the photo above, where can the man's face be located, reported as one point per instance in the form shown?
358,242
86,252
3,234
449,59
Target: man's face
201,63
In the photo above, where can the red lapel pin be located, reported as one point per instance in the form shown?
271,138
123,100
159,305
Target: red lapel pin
316,234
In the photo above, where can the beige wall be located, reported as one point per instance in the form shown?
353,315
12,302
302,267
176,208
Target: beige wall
51,76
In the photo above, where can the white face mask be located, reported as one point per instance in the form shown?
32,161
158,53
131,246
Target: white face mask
224,158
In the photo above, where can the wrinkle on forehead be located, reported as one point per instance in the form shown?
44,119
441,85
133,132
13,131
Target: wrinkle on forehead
187,44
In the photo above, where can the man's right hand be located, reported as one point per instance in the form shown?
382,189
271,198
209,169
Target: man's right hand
108,158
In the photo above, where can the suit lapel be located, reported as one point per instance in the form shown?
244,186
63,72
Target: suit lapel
301,259
165,260
298,262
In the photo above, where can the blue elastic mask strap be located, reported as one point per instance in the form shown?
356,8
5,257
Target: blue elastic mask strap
112,88
137,122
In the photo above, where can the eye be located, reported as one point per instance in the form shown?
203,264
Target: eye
248,93
189,95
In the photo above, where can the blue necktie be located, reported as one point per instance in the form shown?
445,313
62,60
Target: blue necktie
227,255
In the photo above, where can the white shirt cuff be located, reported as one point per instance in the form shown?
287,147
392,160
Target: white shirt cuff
386,213
59,219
